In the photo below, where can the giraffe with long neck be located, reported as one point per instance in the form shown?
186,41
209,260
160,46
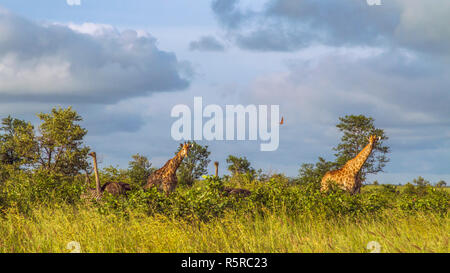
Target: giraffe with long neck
114,188
346,177
216,165
98,187
165,179
97,193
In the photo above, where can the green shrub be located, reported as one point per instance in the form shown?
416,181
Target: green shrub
425,199
205,200
24,190
389,189
202,203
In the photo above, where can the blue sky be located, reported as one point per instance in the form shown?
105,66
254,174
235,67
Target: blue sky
123,65
117,12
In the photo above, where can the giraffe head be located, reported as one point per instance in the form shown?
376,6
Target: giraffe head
373,139
93,154
185,148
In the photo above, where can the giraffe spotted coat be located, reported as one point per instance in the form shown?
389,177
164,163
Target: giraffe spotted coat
165,179
346,177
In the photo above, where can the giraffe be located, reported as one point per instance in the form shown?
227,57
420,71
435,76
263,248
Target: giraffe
114,188
96,193
231,191
216,165
346,177
165,179
236,191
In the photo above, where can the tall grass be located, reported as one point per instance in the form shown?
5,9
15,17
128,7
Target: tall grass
50,229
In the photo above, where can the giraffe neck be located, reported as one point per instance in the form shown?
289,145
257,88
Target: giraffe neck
97,179
356,163
172,165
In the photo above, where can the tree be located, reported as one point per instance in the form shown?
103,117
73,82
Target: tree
194,164
261,176
17,146
239,165
310,173
421,182
441,184
356,131
17,143
139,169
420,188
60,144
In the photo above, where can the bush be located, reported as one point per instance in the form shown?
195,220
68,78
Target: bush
425,199
389,189
197,203
205,200
24,190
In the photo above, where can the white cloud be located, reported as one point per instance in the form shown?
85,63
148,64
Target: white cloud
87,62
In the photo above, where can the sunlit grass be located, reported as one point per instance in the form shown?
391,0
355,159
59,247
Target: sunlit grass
51,229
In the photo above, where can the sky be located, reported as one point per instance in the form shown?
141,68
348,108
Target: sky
123,65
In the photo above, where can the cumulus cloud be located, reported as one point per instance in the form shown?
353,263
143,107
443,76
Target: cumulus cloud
81,63
206,43
288,25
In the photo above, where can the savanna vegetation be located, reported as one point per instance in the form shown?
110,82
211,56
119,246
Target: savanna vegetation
45,170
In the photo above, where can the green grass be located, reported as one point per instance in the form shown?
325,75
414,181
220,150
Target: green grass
51,229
